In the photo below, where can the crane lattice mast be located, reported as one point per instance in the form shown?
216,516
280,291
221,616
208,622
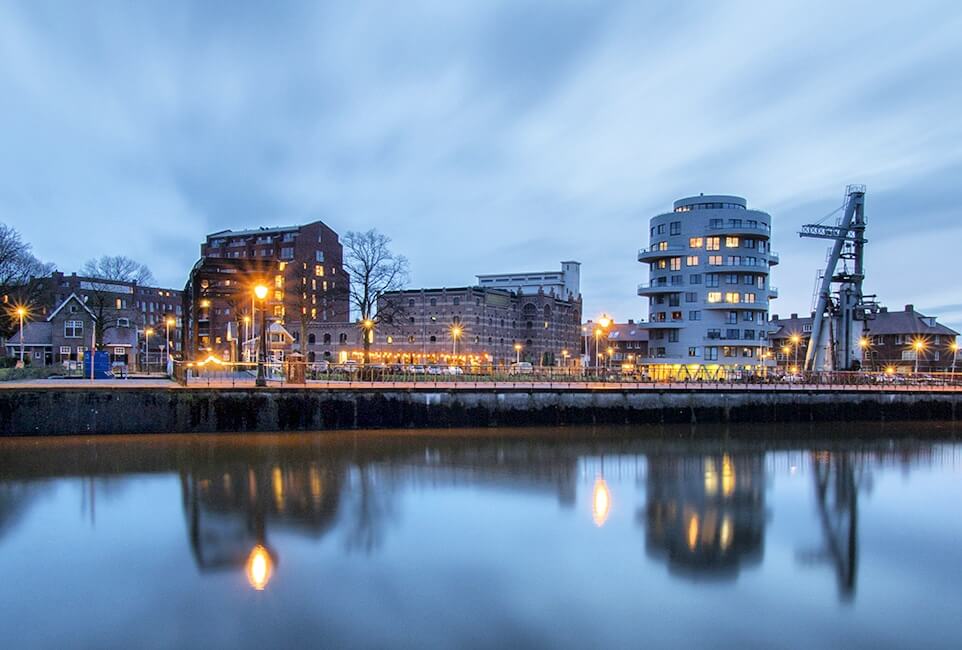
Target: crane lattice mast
839,320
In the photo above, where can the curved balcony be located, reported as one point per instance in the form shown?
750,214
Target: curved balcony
758,305
773,259
647,255
772,292
654,288
743,229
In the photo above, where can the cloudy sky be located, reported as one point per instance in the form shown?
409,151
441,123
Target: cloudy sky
486,136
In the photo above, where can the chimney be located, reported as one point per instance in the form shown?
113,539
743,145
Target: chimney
909,308
883,310
794,316
631,321
774,317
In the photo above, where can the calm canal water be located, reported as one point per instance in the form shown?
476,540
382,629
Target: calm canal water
733,537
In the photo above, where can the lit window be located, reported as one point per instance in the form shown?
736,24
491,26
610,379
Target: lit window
731,242
696,242
714,296
676,264
692,260
713,243
714,260
319,270
732,297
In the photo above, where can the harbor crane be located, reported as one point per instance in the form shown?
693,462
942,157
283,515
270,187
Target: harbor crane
841,313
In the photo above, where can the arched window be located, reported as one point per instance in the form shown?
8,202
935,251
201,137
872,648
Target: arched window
311,339
342,338
456,320
433,339
457,301
411,302
412,339
547,312
311,356
327,339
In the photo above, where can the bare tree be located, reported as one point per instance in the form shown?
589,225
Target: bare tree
118,267
375,270
18,270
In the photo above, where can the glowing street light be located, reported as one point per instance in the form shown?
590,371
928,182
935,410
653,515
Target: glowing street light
796,339
517,353
564,356
147,333
456,331
21,313
168,323
954,349
919,346
260,292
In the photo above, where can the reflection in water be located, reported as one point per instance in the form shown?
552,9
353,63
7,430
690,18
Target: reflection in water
836,477
705,514
260,566
230,505
600,502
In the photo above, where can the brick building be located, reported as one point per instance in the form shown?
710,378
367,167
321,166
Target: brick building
892,341
628,343
65,308
302,266
477,325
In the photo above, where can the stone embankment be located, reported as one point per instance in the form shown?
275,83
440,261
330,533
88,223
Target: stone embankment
50,411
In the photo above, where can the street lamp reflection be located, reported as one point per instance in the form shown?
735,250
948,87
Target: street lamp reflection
600,502
260,567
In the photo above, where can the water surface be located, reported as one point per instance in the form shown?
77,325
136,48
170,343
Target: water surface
606,537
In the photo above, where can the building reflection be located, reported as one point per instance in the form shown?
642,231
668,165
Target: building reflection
231,508
705,515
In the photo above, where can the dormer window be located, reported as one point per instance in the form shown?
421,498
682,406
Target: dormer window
123,322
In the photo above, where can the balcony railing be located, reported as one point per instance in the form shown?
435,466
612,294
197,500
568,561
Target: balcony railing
759,228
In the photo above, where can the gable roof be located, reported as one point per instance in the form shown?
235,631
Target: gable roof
72,296
34,333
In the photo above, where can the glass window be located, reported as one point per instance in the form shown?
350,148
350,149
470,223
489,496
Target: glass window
694,278
696,242
714,296
713,243
731,242
675,228
714,260
692,260
676,264
73,329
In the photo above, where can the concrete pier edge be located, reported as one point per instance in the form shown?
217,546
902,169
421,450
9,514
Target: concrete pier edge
209,410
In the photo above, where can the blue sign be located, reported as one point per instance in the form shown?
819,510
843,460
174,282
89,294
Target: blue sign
101,365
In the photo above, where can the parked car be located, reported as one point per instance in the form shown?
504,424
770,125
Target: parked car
434,370
452,370
521,368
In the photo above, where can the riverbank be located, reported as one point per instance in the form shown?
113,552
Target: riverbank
106,409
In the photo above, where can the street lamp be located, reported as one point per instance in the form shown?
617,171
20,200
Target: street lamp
455,335
598,333
260,292
168,323
147,333
247,335
611,352
564,356
795,339
785,351
517,353
954,349
21,313
919,346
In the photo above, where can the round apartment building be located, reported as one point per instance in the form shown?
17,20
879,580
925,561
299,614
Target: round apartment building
708,287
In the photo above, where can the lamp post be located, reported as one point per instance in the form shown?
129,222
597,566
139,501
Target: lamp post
611,353
247,336
455,335
954,347
260,292
168,323
863,343
147,333
796,340
21,312
785,351
517,353
919,346
564,357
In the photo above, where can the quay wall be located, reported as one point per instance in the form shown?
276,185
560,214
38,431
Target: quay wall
45,411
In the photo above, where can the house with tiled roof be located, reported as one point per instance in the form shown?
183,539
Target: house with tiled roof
893,339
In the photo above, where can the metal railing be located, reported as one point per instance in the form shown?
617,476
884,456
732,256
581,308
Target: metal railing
644,373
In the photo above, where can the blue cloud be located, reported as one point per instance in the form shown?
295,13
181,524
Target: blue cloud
482,136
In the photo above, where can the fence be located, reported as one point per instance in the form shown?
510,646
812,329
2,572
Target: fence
301,373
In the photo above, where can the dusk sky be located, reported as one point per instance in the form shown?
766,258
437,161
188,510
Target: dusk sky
486,136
